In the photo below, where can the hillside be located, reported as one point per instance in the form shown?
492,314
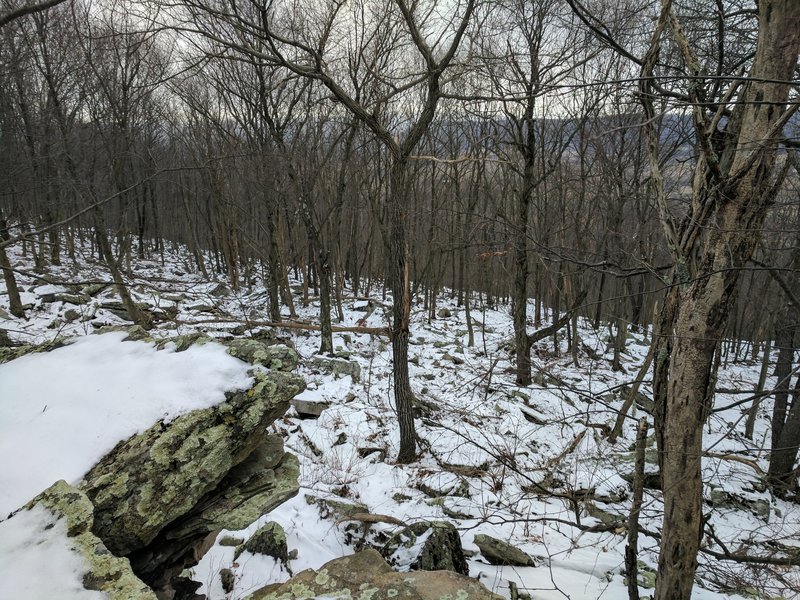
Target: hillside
530,466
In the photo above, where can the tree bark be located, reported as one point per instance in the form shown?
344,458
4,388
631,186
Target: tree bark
401,312
731,192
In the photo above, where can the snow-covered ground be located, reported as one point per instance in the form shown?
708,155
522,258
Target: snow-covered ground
507,456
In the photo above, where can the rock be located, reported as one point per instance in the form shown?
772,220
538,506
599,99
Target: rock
118,309
444,313
77,299
337,508
269,540
136,333
227,579
5,315
309,409
438,547
338,367
161,496
71,315
220,290
176,298
47,293
460,489
760,507
93,289
205,308
498,552
453,359
107,573
230,541
277,357
367,575
184,342
605,517
12,352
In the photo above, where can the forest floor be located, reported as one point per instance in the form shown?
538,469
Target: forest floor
529,465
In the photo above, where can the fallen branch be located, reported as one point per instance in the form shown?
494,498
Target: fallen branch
630,397
732,457
370,518
381,331
551,329
568,450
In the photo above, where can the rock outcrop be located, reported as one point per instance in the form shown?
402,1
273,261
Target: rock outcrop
367,575
160,497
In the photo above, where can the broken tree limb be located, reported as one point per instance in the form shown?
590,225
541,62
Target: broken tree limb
551,329
630,397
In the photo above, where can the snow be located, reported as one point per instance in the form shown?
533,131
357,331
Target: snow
61,411
514,473
37,561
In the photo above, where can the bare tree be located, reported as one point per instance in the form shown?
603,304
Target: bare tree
738,124
311,46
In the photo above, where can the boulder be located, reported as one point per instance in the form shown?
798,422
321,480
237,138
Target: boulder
444,313
338,367
161,496
498,552
309,409
269,540
436,546
277,356
367,575
106,573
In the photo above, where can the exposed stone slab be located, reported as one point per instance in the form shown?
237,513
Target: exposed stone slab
366,575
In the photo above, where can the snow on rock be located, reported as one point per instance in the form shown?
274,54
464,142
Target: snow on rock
61,411
37,560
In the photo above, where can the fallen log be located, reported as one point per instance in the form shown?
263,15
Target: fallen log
380,331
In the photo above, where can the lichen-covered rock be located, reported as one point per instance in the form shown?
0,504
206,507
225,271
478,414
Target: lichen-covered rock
437,546
337,508
498,552
367,576
107,573
277,357
13,352
338,367
269,540
136,333
76,299
155,477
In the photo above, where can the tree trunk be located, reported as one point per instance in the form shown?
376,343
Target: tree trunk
14,300
401,312
731,192
781,475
